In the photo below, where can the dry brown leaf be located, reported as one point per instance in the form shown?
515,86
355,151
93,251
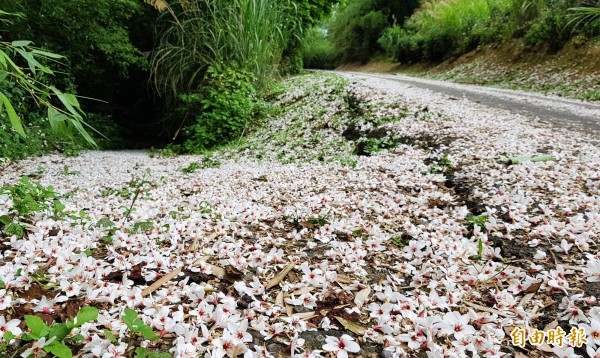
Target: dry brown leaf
362,296
305,289
526,299
545,347
217,271
340,306
232,274
534,287
344,279
486,309
574,268
194,246
160,5
289,310
551,325
351,326
161,281
279,299
277,279
305,315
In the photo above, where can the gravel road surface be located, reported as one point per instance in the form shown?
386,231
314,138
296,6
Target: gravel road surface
576,115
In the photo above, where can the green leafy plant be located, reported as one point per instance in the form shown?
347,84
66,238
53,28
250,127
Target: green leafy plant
58,332
136,325
193,167
476,220
318,221
224,108
317,50
401,240
64,118
443,165
479,255
370,146
67,172
143,226
139,186
28,198
141,352
208,162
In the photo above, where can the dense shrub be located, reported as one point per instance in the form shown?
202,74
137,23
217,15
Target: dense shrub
557,24
454,27
224,107
551,29
447,28
103,42
317,50
356,27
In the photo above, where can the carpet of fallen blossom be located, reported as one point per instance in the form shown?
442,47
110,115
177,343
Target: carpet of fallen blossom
294,245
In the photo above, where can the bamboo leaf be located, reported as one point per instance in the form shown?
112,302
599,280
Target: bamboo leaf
161,281
277,279
15,121
351,326
83,132
362,296
21,43
47,54
65,101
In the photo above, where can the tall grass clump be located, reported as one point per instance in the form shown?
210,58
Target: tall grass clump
248,34
211,52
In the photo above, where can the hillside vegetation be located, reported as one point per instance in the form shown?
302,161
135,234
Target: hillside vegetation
132,73
436,30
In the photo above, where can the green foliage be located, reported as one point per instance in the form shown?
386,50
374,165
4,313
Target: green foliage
443,165
141,352
399,44
247,34
32,82
356,28
96,41
442,29
476,220
27,199
105,44
551,30
371,145
401,240
311,12
137,186
454,27
583,17
317,50
58,332
192,168
136,325
318,221
224,107
67,172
